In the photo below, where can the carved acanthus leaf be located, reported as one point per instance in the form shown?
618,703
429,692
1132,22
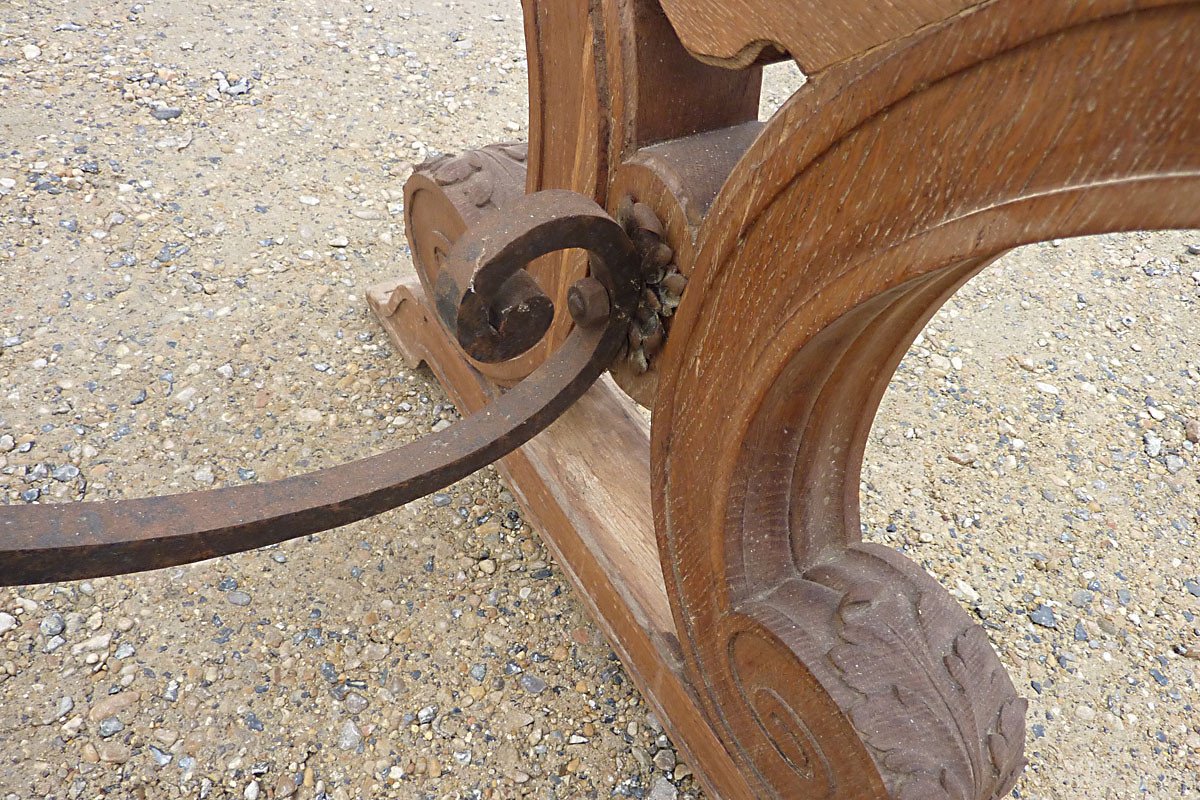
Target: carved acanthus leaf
931,699
477,173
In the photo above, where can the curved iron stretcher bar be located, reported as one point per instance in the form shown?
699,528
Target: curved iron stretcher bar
44,543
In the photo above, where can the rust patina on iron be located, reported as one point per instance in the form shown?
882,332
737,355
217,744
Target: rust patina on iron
41,543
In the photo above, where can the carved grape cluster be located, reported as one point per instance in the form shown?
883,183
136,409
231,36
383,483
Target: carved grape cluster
663,289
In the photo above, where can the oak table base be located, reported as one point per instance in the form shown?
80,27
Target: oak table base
788,264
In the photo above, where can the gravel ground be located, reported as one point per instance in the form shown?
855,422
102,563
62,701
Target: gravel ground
193,200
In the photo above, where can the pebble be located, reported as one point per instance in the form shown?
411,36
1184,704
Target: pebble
110,726
1043,615
7,622
165,113
663,789
114,752
967,591
111,705
98,642
532,683
350,737
161,757
64,473
355,703
52,625
31,51
238,598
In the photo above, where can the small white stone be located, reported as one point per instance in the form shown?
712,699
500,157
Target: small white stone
98,642
1046,388
31,51
7,622
309,200
967,591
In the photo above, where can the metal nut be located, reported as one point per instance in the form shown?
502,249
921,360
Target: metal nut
587,300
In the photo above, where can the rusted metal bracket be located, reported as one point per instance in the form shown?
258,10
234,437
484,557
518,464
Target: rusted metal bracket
41,543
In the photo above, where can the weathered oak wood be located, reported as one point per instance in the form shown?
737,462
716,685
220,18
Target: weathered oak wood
787,658
816,33
881,187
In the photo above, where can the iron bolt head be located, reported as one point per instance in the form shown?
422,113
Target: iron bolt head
587,300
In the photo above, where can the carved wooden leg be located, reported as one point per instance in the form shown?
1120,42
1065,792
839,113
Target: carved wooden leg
832,668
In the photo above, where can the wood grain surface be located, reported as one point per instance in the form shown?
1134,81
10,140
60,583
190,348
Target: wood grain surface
881,187
721,550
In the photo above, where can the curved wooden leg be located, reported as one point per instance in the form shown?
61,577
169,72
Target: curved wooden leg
831,668
853,673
